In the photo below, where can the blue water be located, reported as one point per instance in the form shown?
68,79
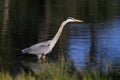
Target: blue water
107,45
93,44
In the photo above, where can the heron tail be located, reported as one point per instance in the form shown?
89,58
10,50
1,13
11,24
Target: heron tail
26,50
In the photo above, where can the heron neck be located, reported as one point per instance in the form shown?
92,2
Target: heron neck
56,37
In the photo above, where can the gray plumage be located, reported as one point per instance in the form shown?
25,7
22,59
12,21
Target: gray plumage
44,48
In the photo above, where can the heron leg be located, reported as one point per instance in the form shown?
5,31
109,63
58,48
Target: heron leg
39,56
43,57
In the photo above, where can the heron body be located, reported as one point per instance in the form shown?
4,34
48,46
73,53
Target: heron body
43,48
39,49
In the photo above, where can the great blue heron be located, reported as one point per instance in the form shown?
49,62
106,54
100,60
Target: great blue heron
43,48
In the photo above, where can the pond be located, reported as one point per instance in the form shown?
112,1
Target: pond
93,44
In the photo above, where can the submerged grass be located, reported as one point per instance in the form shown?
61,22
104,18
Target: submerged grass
60,71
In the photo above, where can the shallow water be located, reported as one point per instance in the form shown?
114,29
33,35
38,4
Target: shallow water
93,44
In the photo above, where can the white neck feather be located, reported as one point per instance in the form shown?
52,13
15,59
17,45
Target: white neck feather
56,37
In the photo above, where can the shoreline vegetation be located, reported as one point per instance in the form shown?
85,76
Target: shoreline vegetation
60,71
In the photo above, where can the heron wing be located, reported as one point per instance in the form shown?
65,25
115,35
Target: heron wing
42,47
41,44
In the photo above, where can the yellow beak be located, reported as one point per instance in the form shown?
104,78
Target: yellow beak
76,20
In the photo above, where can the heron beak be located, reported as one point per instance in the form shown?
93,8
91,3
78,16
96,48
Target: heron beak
78,20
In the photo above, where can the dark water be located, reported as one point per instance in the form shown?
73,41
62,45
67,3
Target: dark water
93,44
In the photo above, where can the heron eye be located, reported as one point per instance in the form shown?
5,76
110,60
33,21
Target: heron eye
70,18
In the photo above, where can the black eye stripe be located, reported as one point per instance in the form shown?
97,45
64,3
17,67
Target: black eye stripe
70,18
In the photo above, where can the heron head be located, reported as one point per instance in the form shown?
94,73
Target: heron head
70,19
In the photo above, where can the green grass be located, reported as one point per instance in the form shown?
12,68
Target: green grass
60,71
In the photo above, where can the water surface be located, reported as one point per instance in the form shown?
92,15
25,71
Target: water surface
92,45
